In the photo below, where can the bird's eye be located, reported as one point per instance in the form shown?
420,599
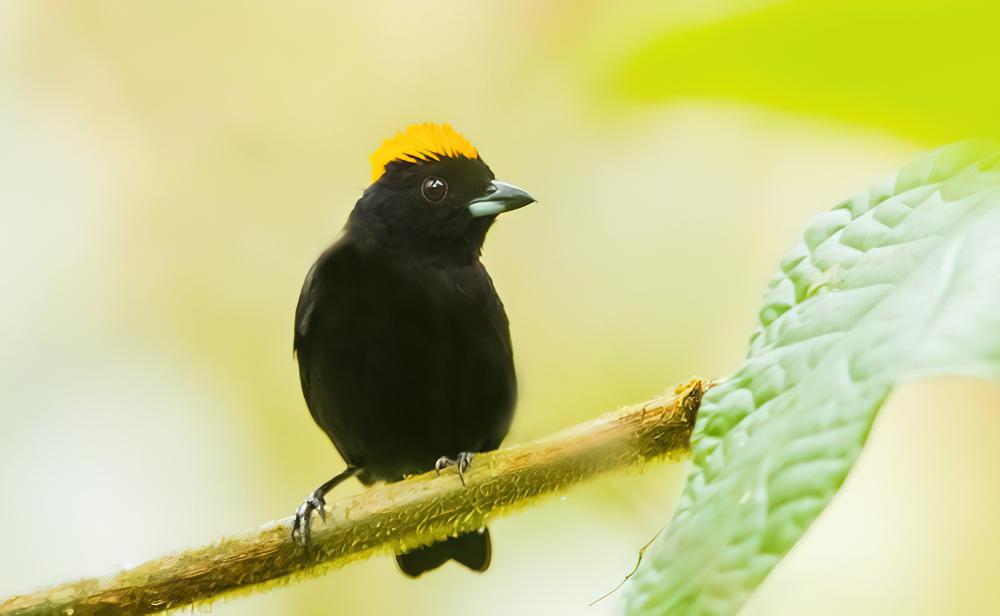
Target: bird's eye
434,189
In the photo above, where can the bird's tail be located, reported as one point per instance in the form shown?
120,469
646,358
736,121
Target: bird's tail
471,549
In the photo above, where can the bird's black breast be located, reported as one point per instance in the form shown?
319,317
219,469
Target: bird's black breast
403,362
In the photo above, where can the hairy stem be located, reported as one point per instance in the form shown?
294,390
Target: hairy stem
388,518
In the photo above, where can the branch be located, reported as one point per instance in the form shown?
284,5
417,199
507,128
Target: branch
388,518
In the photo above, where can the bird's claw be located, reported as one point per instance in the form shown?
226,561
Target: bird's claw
302,527
463,461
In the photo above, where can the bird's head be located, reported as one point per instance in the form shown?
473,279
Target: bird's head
431,194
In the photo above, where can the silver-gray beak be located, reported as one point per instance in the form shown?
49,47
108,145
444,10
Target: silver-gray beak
499,197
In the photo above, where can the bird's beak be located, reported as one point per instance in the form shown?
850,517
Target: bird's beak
499,197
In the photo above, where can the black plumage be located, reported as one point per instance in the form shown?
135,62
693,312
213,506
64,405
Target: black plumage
403,344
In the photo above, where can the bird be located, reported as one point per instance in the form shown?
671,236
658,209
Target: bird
402,342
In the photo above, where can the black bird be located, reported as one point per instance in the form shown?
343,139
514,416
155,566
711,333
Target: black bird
403,344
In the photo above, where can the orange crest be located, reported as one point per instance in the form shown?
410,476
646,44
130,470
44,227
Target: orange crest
421,142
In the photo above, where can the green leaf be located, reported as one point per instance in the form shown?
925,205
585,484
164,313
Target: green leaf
900,282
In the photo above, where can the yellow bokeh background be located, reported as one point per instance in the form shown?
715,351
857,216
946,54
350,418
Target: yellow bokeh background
169,170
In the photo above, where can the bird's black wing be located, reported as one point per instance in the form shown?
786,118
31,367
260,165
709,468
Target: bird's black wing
330,273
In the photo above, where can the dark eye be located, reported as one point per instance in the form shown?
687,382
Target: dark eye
434,189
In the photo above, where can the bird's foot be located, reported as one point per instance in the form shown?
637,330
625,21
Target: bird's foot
302,527
462,462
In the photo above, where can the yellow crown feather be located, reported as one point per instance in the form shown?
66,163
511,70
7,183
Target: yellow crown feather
421,142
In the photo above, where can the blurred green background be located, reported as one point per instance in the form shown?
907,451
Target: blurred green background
169,171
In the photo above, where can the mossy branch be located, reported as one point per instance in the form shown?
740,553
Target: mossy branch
387,518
